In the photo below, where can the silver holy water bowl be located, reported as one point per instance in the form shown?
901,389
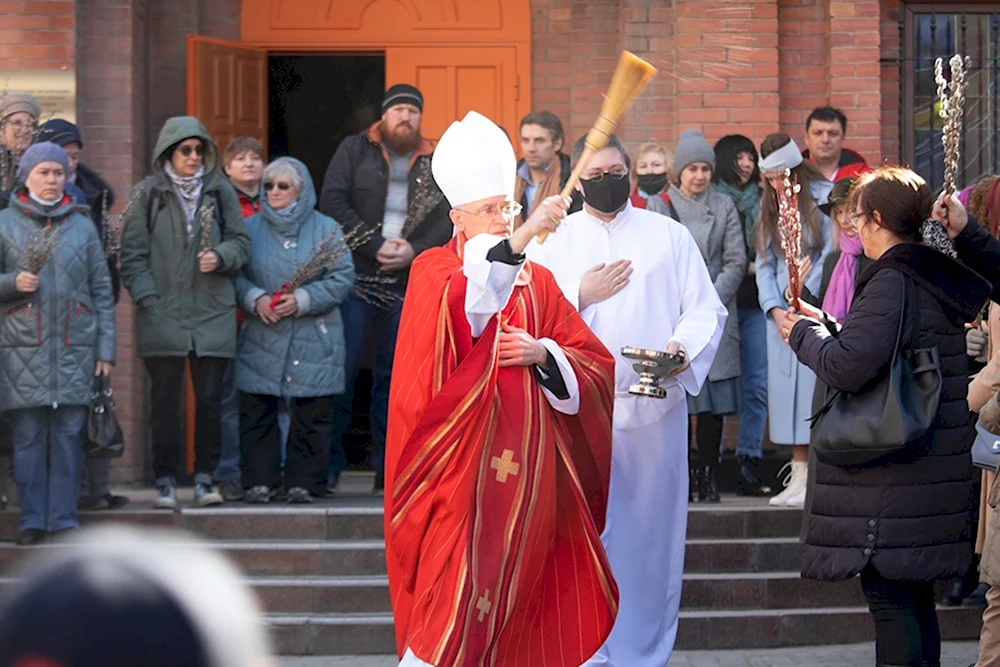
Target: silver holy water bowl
652,366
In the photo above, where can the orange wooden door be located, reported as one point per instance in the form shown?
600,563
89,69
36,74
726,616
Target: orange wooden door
227,89
456,80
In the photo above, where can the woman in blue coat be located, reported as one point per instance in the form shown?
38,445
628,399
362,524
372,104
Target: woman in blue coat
295,350
790,384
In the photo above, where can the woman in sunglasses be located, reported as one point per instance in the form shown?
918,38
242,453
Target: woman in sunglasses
291,348
184,239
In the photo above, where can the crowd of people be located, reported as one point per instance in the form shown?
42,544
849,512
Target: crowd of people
670,248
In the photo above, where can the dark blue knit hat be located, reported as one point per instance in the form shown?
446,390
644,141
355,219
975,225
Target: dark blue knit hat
60,132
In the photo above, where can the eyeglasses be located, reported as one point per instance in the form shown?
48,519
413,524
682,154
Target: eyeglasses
509,210
199,150
281,186
617,173
21,125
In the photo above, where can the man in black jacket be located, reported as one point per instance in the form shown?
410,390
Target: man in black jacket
379,182
84,185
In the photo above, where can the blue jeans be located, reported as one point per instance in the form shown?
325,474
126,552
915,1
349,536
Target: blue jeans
361,320
228,469
48,465
753,354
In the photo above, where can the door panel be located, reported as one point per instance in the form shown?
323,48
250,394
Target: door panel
456,80
227,89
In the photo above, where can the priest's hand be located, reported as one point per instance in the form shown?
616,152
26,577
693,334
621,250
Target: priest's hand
604,281
949,212
673,347
545,218
518,348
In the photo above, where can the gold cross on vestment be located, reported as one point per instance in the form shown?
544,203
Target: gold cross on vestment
484,605
504,465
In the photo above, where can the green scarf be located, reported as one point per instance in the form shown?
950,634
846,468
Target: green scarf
747,203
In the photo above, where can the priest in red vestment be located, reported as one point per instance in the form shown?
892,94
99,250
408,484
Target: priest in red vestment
498,454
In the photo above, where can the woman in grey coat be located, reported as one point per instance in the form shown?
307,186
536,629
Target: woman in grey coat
295,350
57,332
715,224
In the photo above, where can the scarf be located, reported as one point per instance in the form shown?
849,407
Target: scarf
546,188
747,201
188,190
840,292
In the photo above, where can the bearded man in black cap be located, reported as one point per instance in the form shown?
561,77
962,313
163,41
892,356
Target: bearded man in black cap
380,182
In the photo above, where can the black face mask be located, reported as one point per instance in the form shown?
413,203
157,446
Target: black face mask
652,184
607,195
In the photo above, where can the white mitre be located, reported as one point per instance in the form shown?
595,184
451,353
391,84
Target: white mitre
474,160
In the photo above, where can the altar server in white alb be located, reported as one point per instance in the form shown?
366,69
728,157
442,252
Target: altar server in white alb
638,280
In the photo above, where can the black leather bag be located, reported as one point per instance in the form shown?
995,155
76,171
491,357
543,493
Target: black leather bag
873,426
104,434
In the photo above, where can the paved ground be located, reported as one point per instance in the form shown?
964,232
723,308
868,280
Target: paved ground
954,654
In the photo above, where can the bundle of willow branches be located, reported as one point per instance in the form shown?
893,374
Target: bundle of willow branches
326,253
40,244
789,224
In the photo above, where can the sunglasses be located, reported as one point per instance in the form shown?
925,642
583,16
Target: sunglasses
281,186
186,151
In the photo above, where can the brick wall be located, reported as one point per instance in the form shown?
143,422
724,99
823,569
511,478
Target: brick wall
37,35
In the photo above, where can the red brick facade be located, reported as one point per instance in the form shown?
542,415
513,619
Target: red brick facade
747,66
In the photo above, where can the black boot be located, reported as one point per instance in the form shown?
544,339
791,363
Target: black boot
750,484
692,481
708,490
962,588
977,598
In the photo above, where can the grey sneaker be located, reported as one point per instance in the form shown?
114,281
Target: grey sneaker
166,494
299,496
231,490
258,495
205,494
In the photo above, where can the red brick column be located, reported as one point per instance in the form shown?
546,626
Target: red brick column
648,30
803,48
855,72
891,53
37,35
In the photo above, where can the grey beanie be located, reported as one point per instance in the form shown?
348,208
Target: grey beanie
692,147
14,101
39,153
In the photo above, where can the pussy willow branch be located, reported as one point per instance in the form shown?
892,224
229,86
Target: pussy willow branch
790,228
40,244
951,97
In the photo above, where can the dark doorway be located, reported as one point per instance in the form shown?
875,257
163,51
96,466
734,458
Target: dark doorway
317,101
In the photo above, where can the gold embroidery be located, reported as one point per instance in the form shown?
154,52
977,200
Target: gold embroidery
504,465
484,605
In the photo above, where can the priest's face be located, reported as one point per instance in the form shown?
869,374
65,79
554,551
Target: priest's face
484,216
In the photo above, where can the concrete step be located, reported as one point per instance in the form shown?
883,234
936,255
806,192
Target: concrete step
765,590
367,634
342,558
360,518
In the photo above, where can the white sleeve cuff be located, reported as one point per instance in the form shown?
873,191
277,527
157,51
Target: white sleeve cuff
571,405
302,301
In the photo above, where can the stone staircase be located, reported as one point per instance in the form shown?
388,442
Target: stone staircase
320,572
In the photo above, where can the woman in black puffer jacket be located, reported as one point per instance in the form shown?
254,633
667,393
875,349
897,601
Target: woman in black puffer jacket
904,524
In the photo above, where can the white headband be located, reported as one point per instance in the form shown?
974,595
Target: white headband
786,157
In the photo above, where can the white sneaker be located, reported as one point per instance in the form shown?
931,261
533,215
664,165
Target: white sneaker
794,494
779,500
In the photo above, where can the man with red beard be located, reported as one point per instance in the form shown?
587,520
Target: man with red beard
380,182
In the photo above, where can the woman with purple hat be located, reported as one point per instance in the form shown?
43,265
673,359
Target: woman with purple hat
57,332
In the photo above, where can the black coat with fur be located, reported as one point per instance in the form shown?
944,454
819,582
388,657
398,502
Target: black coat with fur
910,518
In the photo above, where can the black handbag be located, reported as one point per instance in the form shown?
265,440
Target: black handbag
870,427
104,434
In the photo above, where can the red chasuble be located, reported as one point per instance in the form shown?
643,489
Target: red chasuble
495,501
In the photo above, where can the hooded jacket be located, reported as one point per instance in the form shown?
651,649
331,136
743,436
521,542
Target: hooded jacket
51,340
181,310
911,517
301,355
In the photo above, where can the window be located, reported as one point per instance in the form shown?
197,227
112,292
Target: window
941,30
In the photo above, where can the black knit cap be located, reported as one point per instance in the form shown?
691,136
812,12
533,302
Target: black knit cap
97,615
402,93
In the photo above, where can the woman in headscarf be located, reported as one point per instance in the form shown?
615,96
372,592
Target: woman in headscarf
184,239
790,384
293,351
57,332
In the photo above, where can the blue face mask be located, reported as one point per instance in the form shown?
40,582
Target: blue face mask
287,211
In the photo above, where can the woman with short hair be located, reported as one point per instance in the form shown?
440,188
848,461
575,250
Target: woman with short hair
294,350
654,164
905,520
57,332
